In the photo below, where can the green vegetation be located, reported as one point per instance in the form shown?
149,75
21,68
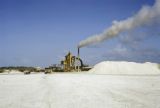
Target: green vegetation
1,70
20,68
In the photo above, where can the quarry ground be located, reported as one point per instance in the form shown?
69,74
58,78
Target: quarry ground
72,90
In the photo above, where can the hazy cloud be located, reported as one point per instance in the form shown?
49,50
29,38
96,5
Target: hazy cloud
122,53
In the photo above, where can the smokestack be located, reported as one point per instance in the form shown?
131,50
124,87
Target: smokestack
144,16
78,51
78,58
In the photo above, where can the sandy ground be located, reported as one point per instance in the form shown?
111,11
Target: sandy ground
79,91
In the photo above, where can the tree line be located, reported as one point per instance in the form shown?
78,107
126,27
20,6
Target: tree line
20,68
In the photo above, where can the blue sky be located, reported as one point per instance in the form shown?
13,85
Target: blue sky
41,32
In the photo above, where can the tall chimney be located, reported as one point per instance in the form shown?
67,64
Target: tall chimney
78,58
78,52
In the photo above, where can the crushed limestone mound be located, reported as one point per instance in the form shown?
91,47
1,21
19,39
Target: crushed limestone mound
123,67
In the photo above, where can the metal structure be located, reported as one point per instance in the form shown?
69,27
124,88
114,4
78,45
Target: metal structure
69,64
72,63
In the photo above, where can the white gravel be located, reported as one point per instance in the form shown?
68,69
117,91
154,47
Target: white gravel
107,85
79,91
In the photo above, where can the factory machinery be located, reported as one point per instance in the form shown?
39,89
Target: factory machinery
69,64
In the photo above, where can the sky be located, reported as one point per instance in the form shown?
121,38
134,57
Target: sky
41,32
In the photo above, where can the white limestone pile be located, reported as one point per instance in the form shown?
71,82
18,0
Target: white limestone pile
123,67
